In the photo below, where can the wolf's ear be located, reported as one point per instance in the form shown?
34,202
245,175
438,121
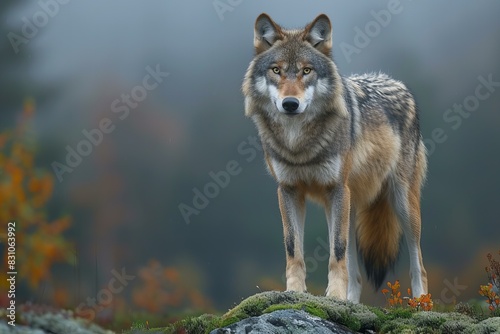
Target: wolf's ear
319,34
266,33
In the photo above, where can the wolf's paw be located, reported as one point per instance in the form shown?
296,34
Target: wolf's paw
296,285
336,292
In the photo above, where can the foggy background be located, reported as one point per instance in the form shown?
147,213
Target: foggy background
123,198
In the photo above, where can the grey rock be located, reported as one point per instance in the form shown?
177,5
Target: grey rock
284,322
53,323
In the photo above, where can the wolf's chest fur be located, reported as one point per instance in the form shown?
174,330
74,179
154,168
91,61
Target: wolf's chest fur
296,153
325,172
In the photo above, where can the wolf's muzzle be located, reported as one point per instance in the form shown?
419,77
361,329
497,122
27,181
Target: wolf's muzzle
291,105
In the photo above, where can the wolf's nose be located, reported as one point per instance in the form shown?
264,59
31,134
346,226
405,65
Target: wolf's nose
290,104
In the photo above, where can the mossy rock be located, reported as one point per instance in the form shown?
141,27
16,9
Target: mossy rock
356,317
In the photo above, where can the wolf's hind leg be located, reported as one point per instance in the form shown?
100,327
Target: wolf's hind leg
354,283
292,207
406,201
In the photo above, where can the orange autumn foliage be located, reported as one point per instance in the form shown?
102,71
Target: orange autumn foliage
490,291
493,299
25,190
393,297
164,289
422,303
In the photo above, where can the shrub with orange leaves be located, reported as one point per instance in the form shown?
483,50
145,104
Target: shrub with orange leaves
166,289
25,190
422,303
393,297
493,298
492,290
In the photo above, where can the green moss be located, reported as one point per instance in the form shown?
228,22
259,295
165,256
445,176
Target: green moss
400,313
202,324
490,325
381,317
278,307
229,321
456,326
309,308
350,321
429,319
315,310
401,326
434,322
250,307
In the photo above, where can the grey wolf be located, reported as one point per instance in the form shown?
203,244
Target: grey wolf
352,144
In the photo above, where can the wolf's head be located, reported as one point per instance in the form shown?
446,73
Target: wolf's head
292,73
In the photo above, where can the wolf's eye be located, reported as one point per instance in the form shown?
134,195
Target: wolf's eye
276,70
306,70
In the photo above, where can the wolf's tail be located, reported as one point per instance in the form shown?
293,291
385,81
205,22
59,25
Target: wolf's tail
378,238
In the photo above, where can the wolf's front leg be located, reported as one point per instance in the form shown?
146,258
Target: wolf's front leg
292,207
337,208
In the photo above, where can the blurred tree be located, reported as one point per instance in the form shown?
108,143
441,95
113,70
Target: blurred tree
24,193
